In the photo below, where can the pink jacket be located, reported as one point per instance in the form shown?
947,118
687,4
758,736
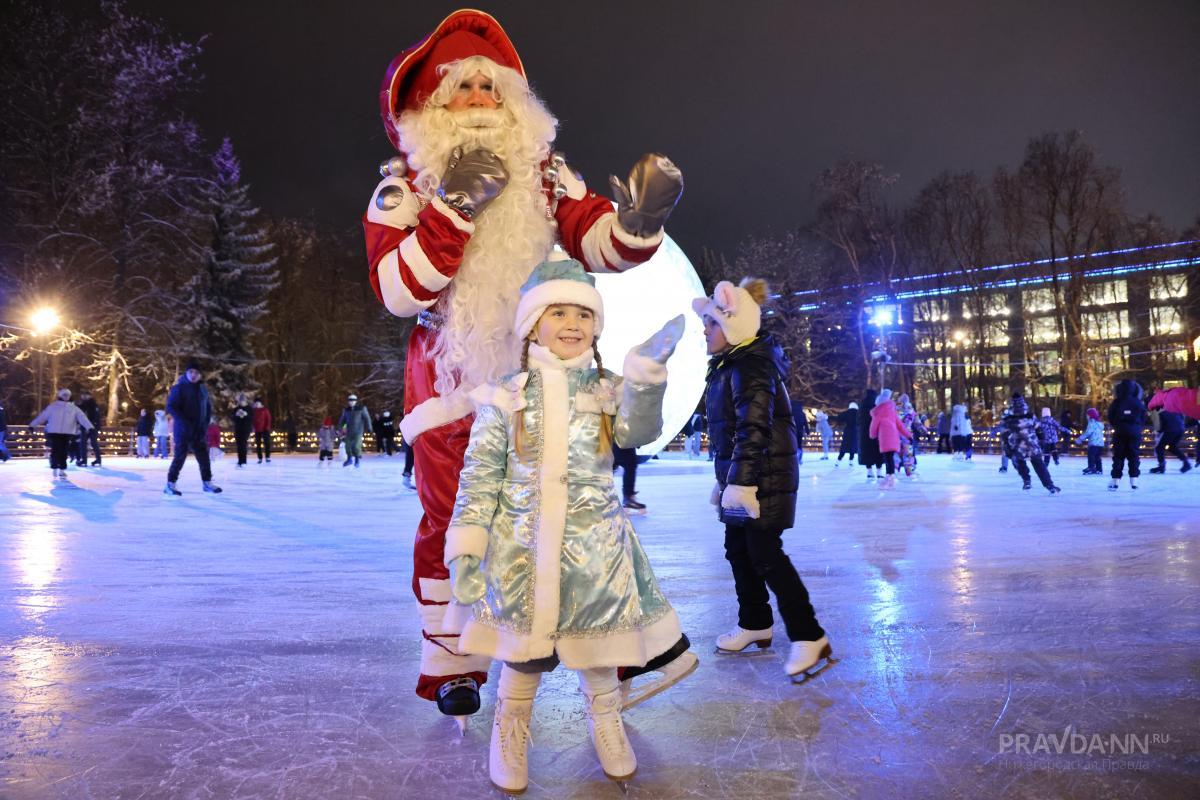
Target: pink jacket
887,427
1181,401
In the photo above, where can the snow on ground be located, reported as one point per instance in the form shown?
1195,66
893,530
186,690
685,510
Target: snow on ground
262,643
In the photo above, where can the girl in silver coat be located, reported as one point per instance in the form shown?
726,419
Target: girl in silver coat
539,546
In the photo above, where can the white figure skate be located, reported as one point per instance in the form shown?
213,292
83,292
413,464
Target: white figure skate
666,676
806,655
608,736
739,640
508,759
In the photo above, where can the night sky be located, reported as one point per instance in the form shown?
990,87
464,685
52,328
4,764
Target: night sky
751,99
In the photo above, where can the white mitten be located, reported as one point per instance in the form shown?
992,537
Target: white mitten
743,498
714,498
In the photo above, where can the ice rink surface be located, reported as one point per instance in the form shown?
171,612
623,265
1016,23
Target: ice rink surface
263,643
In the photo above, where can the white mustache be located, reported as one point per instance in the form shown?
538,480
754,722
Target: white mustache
479,118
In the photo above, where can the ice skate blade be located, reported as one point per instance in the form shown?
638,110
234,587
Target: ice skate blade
748,650
461,721
631,697
807,675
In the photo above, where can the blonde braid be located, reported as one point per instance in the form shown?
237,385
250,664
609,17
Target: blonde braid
606,422
519,415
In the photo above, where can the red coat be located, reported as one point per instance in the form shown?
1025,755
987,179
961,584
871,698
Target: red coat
1181,400
214,435
262,420
887,427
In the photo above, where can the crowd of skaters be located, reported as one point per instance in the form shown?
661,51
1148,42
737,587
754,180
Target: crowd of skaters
884,433
189,424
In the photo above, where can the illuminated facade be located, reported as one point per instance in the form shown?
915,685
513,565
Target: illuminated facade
1055,330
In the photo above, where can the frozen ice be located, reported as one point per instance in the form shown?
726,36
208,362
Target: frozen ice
263,642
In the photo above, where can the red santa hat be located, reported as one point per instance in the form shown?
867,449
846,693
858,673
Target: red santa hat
413,75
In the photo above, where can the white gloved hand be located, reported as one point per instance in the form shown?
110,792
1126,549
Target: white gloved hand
714,498
741,498
466,581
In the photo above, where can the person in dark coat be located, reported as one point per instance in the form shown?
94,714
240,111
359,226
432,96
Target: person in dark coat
1127,415
145,429
190,410
91,410
1020,437
801,429
943,432
1049,430
868,448
752,435
292,433
242,417
1171,423
848,420
387,433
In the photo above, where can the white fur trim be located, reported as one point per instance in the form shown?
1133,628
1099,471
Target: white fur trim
632,240
434,413
396,296
456,619
540,297
552,520
643,369
422,268
402,216
452,215
465,540
435,590
599,252
745,497
431,615
508,397
436,661
633,648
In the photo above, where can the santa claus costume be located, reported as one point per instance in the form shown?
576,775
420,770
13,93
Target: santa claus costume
474,202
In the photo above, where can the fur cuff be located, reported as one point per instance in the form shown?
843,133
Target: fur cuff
434,413
643,369
465,540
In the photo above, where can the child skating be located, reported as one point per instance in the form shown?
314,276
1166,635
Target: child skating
890,432
753,435
539,545
1020,441
1127,414
826,431
1093,436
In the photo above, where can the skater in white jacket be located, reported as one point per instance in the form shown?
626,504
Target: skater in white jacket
63,419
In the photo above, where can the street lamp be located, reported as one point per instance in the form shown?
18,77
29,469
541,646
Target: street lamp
42,321
882,317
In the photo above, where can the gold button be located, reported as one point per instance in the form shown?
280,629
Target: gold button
562,478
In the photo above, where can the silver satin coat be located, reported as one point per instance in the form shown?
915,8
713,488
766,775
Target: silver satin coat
553,516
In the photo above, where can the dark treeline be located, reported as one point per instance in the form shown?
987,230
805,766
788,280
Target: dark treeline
120,213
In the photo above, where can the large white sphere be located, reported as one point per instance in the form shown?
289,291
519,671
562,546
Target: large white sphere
639,302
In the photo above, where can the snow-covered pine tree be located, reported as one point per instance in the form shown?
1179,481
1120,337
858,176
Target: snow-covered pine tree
225,298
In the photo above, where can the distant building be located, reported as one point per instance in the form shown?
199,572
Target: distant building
1060,331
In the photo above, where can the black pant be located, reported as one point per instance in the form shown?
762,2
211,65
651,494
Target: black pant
755,553
408,459
387,444
1125,448
200,449
1094,453
1048,452
262,439
943,444
1169,443
626,459
1039,467
92,436
243,445
325,455
60,443
849,447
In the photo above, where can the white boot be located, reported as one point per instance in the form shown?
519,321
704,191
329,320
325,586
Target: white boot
805,655
508,760
888,483
739,639
1113,485
1132,482
608,736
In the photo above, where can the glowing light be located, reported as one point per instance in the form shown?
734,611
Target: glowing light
638,303
959,336
44,320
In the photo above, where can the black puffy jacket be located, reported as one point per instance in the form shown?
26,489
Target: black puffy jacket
1127,412
750,427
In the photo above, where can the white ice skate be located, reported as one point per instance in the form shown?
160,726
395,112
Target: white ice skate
664,678
806,655
1132,482
608,736
508,760
888,483
739,640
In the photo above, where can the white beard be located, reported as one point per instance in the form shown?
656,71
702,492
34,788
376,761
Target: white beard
513,234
